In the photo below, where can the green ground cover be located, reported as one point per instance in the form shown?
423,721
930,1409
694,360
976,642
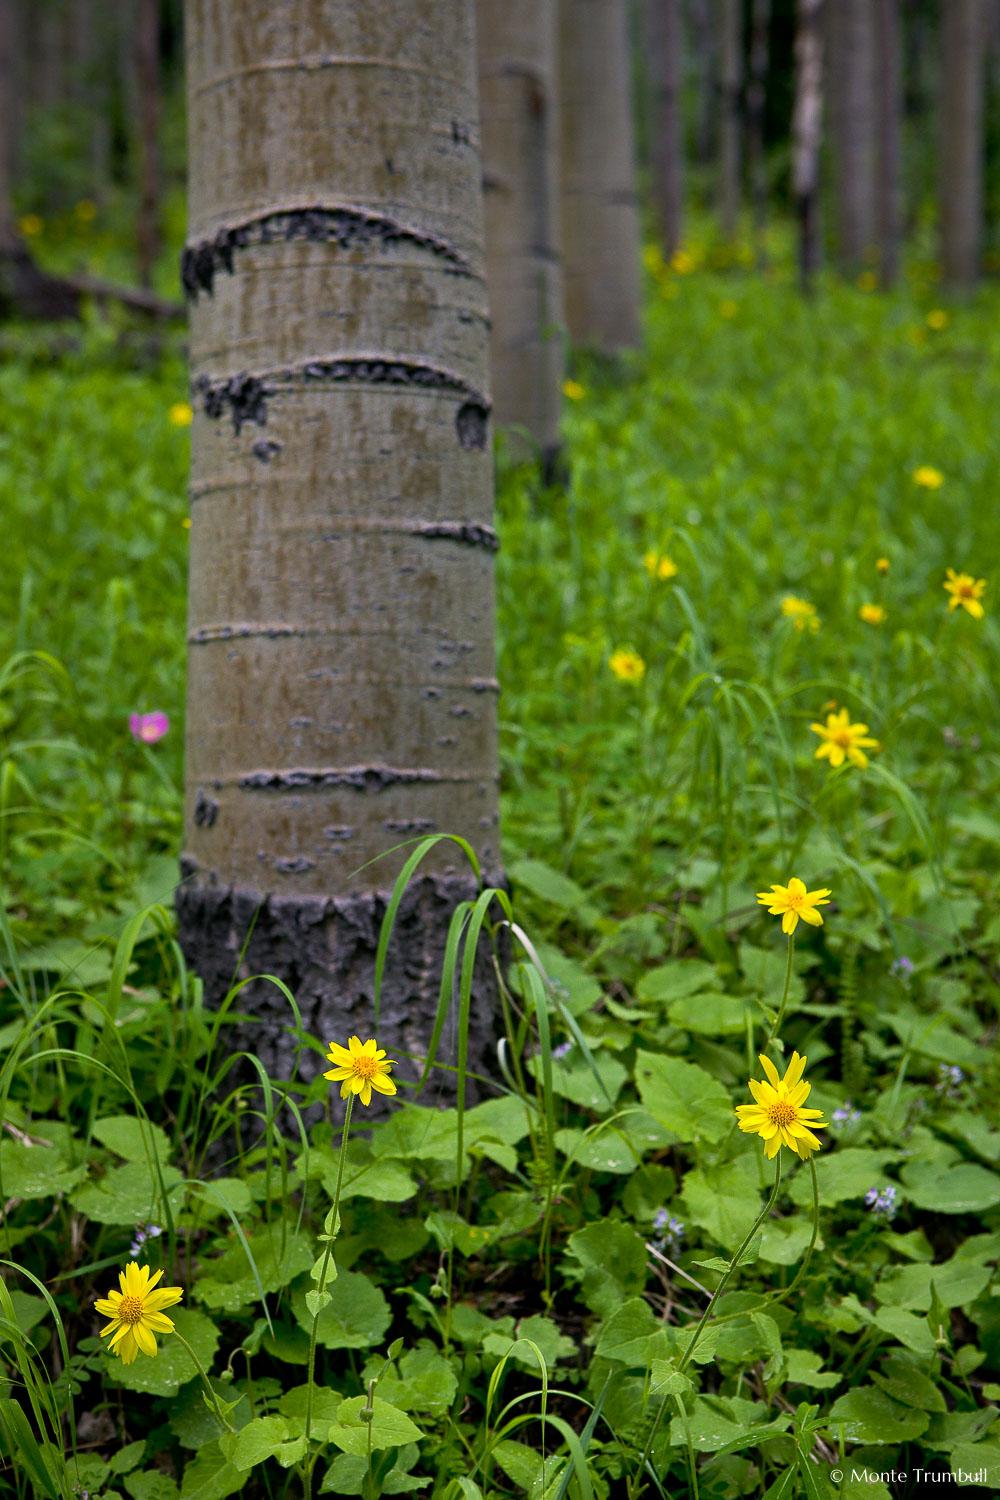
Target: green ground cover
659,770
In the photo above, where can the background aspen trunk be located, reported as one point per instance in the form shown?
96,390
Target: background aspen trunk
962,38
852,97
341,679
147,65
599,213
731,116
807,126
888,153
756,101
665,46
704,51
517,93
8,231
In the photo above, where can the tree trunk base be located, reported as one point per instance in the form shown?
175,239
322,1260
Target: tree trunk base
324,950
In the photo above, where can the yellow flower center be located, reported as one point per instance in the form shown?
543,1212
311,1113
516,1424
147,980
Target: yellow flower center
844,738
130,1310
780,1112
365,1064
965,590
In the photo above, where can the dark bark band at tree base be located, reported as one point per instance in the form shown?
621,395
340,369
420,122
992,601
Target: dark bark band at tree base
324,950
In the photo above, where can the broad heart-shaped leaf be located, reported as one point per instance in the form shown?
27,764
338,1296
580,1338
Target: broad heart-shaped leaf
135,1140
956,1281
906,1328
633,1335
710,1014
557,889
845,1173
258,1440
599,1150
36,1171
676,980
979,1463
903,1381
357,1314
347,1474
173,1366
613,1261
210,1477
711,1431
129,1195
683,1097
150,1484
572,1079
279,1257
963,1189
724,1200
868,1415
389,1428
423,1380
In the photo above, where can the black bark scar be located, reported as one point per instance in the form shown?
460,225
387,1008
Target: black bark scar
342,226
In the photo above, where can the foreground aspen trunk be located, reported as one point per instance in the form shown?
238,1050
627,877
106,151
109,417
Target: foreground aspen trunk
599,211
341,680
516,47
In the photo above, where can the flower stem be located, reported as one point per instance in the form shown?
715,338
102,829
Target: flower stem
784,994
213,1398
732,1265
321,1284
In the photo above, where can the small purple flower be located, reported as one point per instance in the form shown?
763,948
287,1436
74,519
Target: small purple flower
902,967
671,1231
148,728
563,1049
661,1218
950,1079
882,1204
845,1114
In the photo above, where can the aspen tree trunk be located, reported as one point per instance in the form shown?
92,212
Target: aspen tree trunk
962,37
8,231
730,86
852,95
704,50
665,44
807,127
517,94
341,677
756,100
147,65
599,212
888,112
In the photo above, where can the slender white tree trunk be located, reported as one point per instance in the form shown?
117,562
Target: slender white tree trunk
665,42
888,113
599,209
807,131
852,97
517,90
341,678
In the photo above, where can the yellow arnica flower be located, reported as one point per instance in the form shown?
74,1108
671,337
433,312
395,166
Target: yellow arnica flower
683,262
800,612
843,740
360,1067
180,414
659,565
136,1312
573,390
792,901
778,1117
928,478
873,614
628,666
937,318
965,591
882,565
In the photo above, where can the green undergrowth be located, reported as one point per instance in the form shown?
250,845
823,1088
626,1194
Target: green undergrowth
521,1280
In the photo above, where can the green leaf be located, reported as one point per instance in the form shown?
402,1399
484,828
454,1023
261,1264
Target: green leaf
963,1189
908,1330
957,1282
191,1421
556,889
683,1097
133,1139
711,1014
666,1380
128,1458
423,1380
150,1484
209,1477
724,1200
36,1171
904,1382
633,1335
599,1151
129,1195
676,980
221,1193
710,1431
172,1366
259,1439
613,1261
868,1415
802,1367
845,1173
347,1474
229,1285
356,1316
979,1463
951,1427
573,1079
389,1428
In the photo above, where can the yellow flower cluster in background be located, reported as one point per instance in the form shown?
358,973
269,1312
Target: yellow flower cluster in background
873,614
659,565
928,478
802,614
628,666
965,591
843,740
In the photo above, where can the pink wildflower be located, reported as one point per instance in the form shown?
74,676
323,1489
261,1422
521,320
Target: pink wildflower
149,727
